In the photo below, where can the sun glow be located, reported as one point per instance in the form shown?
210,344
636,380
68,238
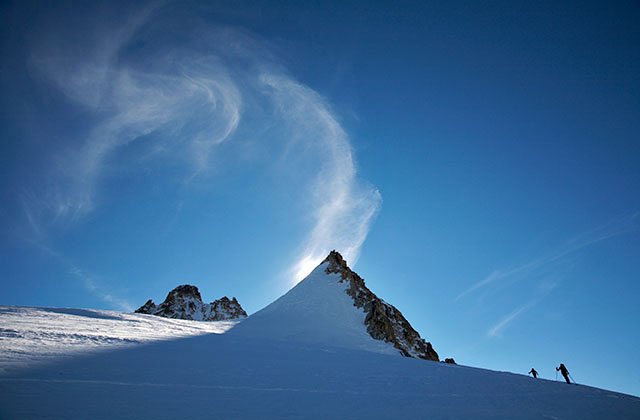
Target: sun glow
304,267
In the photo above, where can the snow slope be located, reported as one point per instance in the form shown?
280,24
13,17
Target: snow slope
316,311
231,376
307,355
34,335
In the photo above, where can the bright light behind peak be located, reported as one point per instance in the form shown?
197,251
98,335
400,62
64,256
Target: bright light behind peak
304,267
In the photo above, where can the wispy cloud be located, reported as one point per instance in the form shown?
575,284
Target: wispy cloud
535,268
543,289
615,227
87,280
181,100
138,104
343,207
37,237
502,324
95,287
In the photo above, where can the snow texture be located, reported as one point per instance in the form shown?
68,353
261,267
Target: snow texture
30,336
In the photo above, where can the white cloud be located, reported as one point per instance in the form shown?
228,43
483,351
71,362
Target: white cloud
343,208
97,289
532,269
87,280
543,288
138,104
615,227
497,329
190,97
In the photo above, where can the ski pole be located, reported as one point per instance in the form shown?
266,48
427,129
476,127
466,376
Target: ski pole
556,376
571,377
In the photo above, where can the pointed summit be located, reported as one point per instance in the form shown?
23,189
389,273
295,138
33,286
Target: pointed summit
336,260
383,321
334,307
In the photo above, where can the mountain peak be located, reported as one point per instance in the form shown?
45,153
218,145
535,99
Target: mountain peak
185,302
333,306
383,321
184,290
336,260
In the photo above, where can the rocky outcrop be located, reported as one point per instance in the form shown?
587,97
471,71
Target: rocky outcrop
383,321
185,302
227,309
147,308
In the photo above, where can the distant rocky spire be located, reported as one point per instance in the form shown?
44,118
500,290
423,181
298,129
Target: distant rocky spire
383,321
185,302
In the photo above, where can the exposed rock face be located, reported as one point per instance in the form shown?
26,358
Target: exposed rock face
227,309
147,308
384,322
185,302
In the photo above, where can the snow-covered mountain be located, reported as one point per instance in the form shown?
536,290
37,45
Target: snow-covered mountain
185,302
328,349
332,305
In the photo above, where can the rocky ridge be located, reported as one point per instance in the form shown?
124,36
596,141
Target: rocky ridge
185,302
383,321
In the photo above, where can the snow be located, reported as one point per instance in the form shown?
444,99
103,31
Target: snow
307,355
232,376
34,335
317,310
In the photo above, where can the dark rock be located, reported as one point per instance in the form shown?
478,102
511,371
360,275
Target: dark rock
227,309
185,302
384,322
147,308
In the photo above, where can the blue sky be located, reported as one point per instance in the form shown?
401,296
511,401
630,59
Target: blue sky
479,163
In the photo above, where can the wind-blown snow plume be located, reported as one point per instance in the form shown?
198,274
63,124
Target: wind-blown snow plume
174,101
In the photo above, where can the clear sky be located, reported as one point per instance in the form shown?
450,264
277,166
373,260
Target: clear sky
478,164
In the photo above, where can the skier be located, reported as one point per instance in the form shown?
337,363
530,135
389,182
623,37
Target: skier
564,371
534,373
